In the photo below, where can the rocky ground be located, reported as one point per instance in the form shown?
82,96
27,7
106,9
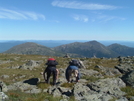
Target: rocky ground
96,84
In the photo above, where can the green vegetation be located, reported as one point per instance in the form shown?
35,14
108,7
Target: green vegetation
20,96
114,99
43,85
129,91
90,78
92,62
68,85
17,95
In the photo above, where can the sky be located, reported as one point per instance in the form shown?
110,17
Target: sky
67,20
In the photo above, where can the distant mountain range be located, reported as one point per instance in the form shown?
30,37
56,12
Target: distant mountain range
122,50
33,48
87,49
7,44
75,49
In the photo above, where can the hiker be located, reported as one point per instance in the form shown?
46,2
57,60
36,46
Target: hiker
51,69
73,68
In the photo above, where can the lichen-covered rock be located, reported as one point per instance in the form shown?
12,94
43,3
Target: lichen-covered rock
4,76
97,97
34,91
124,68
90,72
108,71
3,97
30,64
123,99
129,78
54,91
110,86
3,87
24,87
80,90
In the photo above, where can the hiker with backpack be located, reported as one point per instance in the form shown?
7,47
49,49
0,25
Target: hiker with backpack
73,68
51,69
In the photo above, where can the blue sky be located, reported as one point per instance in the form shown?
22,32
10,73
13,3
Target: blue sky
67,20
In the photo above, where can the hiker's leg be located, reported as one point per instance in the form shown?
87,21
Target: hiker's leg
55,73
66,74
69,74
78,77
48,77
75,73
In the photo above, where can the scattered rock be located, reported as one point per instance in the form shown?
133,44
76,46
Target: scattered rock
104,89
5,76
128,78
109,86
124,68
3,97
3,87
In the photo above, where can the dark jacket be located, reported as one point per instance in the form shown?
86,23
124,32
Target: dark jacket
51,69
51,65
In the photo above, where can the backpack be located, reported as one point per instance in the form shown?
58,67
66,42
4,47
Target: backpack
74,62
52,63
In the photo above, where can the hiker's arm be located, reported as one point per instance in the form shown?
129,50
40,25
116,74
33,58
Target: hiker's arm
44,73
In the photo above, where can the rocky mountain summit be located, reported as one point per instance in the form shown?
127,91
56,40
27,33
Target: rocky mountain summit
33,48
103,79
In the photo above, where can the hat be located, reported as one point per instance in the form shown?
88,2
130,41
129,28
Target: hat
51,59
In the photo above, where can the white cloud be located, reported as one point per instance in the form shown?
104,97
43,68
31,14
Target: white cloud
82,5
19,15
106,18
80,18
103,18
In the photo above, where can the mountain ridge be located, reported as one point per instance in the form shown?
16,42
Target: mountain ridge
76,49
122,49
7,44
32,48
87,49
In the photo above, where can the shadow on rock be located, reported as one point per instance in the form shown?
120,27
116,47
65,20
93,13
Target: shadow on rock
0,88
32,81
68,93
